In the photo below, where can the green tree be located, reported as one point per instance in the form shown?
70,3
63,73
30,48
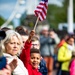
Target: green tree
2,20
57,14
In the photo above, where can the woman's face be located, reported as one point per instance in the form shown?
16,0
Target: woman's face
13,46
70,41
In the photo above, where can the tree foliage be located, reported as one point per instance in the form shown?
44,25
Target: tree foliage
54,15
2,20
57,14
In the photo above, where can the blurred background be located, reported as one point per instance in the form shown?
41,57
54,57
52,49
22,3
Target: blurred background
14,13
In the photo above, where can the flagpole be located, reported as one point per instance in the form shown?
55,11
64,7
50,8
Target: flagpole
41,11
36,22
70,17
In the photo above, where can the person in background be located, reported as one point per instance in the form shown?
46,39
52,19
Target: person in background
48,40
35,42
19,28
58,64
65,54
5,28
11,46
72,64
24,34
31,57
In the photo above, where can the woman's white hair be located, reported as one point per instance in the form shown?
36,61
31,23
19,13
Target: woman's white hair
9,35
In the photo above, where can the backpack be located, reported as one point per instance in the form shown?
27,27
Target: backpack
72,67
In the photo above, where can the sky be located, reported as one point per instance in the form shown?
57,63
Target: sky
7,7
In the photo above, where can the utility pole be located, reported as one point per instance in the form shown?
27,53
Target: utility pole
70,17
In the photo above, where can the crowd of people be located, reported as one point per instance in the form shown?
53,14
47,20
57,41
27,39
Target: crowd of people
28,53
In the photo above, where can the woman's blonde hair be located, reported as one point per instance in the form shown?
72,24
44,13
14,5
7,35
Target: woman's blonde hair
9,35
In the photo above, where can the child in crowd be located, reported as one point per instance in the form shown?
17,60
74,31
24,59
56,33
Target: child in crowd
42,66
72,64
35,45
31,57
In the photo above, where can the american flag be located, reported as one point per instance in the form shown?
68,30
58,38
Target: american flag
41,10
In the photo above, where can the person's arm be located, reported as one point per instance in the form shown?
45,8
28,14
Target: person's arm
25,55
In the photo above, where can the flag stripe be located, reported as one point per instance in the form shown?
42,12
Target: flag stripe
44,4
41,10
